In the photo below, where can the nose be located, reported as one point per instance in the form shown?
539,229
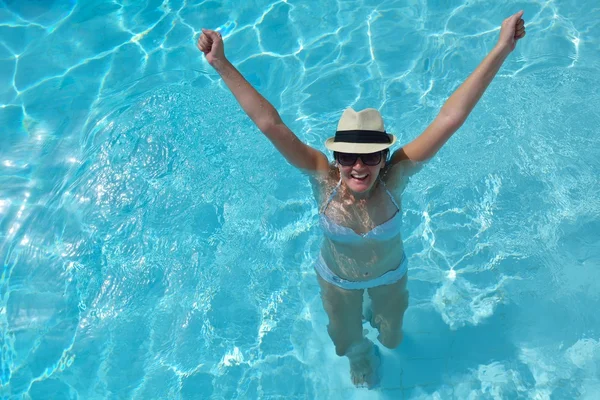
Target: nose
359,163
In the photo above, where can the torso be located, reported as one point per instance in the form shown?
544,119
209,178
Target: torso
369,242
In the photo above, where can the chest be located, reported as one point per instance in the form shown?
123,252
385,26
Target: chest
361,216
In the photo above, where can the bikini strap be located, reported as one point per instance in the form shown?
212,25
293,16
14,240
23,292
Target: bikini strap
389,193
332,194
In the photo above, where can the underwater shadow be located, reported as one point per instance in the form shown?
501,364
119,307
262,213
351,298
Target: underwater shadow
433,356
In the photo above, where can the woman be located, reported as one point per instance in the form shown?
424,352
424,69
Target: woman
359,198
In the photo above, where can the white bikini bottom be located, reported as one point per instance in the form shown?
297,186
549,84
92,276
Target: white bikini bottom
388,278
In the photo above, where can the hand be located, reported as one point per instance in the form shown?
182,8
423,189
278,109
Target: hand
513,29
211,44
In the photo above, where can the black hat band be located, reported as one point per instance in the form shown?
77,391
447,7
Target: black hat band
361,136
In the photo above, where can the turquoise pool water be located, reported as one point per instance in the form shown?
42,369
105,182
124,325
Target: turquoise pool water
155,245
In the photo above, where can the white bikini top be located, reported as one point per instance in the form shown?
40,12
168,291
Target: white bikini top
339,233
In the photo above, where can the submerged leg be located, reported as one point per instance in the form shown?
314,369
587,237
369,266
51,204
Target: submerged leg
344,309
388,304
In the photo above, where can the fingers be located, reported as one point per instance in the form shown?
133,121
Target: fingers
520,28
515,24
512,29
204,43
518,15
213,35
513,19
207,39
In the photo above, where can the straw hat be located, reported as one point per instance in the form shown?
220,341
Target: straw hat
360,132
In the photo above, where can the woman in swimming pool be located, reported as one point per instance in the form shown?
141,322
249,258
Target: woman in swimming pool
359,198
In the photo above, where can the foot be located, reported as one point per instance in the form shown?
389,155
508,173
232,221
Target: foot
364,365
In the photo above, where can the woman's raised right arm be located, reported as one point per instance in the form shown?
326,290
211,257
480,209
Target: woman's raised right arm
262,113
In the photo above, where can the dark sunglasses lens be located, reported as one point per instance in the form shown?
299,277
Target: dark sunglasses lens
371,159
346,159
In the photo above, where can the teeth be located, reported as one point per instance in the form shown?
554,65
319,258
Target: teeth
359,176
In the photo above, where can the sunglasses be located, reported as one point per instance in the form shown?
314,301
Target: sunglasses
349,159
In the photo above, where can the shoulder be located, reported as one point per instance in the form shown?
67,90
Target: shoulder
396,175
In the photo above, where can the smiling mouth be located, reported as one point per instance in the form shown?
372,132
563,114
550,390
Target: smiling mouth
359,177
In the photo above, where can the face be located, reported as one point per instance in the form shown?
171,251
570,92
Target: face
359,176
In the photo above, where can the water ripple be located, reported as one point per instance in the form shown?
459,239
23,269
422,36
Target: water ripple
156,245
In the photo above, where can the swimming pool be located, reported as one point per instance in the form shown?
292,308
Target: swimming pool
155,245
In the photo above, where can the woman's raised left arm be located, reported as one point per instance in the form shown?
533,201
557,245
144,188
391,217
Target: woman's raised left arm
458,107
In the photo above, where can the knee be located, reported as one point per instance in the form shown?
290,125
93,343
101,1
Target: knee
391,340
404,300
341,350
340,341
390,332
